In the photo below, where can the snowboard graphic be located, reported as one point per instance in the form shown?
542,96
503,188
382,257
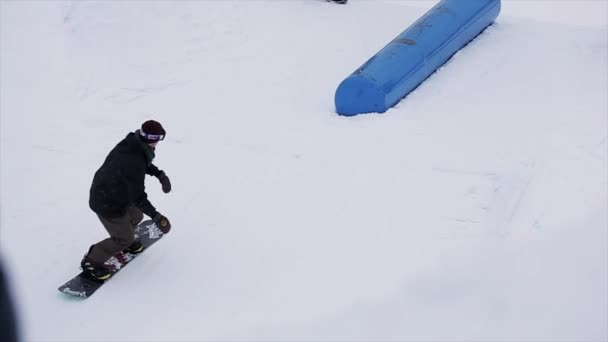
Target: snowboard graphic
84,286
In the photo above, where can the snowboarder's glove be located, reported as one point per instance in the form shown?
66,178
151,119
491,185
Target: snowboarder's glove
162,223
164,181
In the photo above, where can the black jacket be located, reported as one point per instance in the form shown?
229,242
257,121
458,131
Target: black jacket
119,182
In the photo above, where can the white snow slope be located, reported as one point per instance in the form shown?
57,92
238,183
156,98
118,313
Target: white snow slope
475,210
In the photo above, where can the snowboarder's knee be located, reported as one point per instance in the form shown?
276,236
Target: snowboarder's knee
137,217
124,241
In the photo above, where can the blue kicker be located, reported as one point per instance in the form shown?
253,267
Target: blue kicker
414,55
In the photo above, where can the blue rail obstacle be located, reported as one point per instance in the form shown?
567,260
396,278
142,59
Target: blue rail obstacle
414,55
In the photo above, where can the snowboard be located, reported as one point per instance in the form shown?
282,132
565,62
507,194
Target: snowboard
83,285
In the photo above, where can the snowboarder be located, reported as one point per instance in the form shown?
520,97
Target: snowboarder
119,199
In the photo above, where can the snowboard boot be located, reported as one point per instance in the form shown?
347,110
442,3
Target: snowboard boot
135,248
99,272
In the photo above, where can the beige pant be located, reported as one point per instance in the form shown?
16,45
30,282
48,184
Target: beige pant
122,235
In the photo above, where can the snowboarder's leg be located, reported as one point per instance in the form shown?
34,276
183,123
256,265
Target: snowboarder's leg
136,217
122,235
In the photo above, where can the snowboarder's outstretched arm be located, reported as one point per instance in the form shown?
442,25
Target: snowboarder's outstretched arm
153,170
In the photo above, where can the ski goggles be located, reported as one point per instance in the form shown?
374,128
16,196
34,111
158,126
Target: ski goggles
152,137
